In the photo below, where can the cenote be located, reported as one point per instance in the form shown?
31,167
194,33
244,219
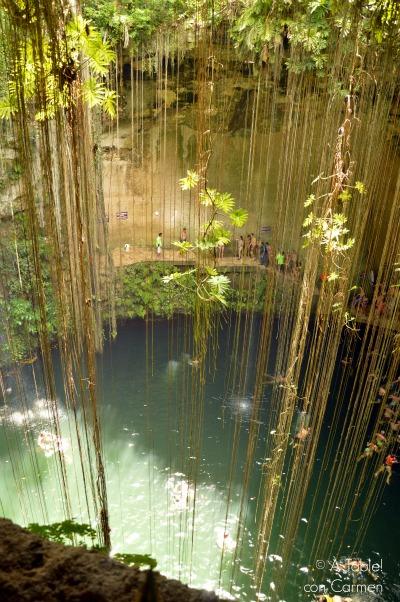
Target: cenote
145,390
199,300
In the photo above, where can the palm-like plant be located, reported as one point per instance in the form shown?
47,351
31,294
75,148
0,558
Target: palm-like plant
83,62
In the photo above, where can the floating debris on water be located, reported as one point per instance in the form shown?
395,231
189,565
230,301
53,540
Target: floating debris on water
244,570
273,557
224,540
51,443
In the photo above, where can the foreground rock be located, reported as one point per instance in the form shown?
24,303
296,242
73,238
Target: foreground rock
35,570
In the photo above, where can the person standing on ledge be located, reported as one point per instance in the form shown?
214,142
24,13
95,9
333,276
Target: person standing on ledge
183,236
159,243
240,247
268,254
253,246
280,261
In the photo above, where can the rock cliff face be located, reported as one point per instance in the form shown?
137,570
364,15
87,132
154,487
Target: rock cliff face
35,570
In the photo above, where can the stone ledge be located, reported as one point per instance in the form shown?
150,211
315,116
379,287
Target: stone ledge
33,569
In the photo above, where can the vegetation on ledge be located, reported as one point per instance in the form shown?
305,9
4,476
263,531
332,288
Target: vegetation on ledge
140,291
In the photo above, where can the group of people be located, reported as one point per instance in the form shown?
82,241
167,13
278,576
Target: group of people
389,395
361,300
370,292
253,248
288,262
250,247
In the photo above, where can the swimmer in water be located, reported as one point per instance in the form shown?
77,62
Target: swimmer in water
373,446
368,451
300,436
390,460
278,379
225,541
51,443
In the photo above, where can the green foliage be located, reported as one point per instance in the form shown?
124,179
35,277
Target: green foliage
238,217
7,107
218,285
345,195
84,46
137,560
191,180
136,21
262,24
67,532
360,187
333,276
329,232
204,279
81,37
249,297
183,246
18,303
311,28
224,202
309,201
140,291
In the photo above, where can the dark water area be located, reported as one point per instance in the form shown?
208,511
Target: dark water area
145,394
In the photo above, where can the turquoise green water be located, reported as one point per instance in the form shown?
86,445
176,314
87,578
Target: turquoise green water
154,507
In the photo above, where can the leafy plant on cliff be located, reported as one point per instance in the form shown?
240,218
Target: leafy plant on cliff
134,22
310,27
84,50
18,311
204,278
140,292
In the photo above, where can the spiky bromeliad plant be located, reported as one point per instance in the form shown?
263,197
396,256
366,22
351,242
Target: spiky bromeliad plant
209,285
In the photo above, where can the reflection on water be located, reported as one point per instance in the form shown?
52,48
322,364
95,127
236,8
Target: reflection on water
151,505
160,503
157,516
240,406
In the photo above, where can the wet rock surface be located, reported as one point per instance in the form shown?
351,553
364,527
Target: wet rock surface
35,570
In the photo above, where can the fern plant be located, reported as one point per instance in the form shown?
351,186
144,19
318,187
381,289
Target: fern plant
209,284
84,62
